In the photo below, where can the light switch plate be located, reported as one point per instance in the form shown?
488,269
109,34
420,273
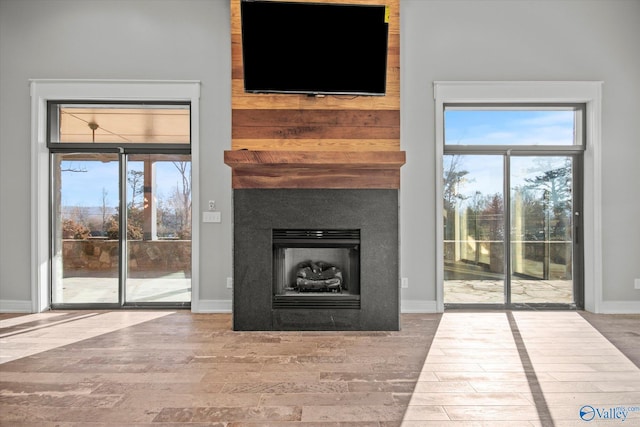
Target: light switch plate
211,216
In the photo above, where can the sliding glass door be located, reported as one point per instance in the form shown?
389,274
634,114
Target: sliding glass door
121,205
511,198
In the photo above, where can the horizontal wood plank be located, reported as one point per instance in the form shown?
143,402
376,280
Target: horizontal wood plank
326,159
325,144
392,91
330,118
310,131
242,100
312,178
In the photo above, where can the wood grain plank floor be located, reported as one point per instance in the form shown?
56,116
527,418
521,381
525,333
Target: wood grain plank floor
160,368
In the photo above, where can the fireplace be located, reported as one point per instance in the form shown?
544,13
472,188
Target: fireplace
316,269
355,230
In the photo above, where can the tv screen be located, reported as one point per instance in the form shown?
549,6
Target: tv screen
314,48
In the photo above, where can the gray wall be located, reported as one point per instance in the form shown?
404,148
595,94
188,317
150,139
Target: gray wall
523,40
114,39
441,40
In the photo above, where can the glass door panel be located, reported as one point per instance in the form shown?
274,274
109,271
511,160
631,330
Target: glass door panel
473,229
541,229
158,229
85,261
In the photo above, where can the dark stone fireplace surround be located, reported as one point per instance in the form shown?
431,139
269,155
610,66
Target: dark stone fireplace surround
373,211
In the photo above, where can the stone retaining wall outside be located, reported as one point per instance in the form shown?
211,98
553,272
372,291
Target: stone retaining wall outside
144,255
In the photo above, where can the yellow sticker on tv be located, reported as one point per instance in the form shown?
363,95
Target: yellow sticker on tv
386,14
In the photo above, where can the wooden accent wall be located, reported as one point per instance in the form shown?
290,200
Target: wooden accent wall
334,123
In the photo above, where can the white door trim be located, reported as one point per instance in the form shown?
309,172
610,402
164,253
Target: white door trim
43,90
589,93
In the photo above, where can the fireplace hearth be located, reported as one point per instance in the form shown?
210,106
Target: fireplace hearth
281,235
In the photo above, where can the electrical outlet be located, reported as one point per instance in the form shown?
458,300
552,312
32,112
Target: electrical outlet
229,282
636,283
404,283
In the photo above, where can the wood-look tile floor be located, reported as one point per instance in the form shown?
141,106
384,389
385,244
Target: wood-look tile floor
154,368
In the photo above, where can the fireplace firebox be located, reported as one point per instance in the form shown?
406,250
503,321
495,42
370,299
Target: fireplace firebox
316,259
316,268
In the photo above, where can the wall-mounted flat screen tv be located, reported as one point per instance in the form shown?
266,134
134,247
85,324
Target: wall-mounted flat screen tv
314,48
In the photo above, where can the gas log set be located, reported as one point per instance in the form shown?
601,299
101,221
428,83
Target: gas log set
317,277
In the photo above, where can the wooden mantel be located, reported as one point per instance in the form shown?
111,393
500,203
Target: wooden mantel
315,169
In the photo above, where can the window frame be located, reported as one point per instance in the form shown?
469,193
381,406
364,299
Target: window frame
53,118
579,126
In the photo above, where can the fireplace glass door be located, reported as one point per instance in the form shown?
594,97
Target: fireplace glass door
316,268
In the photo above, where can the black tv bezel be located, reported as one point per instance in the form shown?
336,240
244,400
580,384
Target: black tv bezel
316,93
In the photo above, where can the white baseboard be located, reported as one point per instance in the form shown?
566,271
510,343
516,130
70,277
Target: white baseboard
606,307
406,306
212,306
619,307
418,306
15,306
